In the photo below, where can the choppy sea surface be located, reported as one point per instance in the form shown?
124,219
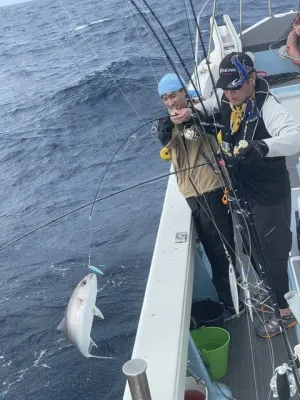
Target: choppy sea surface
77,78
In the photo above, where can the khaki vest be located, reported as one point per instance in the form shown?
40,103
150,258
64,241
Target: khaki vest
190,154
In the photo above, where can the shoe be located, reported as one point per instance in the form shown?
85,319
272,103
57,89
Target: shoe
271,328
230,312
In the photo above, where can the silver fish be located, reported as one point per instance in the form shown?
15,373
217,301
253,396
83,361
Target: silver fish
79,315
234,288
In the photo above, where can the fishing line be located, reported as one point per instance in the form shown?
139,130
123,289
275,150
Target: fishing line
136,185
166,52
262,266
228,178
155,44
208,66
205,54
208,212
97,56
210,216
107,170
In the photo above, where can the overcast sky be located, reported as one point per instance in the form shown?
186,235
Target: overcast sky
7,2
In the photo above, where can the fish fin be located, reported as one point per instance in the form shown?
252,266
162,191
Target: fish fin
63,325
97,312
92,343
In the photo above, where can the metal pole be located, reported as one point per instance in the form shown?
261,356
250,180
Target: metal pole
197,32
270,8
241,18
211,29
135,370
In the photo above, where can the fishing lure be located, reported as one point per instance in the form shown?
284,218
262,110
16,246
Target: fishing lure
95,269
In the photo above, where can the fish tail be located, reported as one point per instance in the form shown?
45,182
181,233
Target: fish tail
92,356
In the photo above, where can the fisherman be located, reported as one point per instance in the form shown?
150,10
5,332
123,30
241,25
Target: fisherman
260,133
200,185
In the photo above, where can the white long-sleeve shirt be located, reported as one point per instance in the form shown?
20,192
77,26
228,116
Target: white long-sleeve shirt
280,124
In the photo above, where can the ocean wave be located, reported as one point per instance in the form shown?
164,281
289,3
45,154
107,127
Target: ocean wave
117,78
97,22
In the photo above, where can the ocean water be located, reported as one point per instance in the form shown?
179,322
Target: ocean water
77,77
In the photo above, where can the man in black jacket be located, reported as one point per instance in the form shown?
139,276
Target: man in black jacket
258,133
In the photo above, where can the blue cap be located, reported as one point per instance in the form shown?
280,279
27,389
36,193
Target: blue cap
170,83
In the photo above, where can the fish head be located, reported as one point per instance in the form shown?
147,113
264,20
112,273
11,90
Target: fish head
86,286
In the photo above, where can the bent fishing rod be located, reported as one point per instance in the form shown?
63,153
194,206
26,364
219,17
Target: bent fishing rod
216,166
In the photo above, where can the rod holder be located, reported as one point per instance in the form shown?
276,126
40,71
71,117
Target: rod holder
135,371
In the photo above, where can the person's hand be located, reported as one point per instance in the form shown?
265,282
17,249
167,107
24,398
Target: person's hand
251,151
180,116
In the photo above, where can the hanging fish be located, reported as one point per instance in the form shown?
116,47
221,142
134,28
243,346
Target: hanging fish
79,315
234,288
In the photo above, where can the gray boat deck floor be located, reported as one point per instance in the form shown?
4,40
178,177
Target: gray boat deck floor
249,372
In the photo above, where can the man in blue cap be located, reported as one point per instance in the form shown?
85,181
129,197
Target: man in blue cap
198,180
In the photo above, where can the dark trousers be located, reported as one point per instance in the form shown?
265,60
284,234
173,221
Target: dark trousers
272,225
208,212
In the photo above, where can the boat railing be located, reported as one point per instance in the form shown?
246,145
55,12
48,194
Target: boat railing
198,29
163,331
135,371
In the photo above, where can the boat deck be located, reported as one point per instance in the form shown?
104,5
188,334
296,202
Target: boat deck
271,31
245,381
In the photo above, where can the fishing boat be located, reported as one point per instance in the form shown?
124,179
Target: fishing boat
180,272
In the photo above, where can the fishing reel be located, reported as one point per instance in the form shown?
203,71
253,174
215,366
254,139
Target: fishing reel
283,384
191,132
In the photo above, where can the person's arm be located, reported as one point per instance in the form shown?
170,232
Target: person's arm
283,128
211,105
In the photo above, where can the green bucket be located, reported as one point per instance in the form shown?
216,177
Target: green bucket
213,344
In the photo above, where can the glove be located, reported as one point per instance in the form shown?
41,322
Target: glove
251,151
164,130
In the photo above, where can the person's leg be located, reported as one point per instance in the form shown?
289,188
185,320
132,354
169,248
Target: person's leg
272,224
212,219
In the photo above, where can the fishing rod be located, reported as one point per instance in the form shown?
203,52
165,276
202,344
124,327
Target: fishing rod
219,171
167,54
248,220
136,185
259,258
238,194
224,178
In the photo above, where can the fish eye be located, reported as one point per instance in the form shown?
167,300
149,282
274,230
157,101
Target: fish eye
83,283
